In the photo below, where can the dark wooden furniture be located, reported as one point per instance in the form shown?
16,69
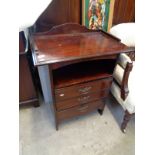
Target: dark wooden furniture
27,92
124,11
81,64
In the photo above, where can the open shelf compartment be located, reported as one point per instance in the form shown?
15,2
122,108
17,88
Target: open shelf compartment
83,72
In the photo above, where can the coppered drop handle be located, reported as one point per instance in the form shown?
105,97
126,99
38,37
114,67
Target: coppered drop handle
84,98
84,90
83,108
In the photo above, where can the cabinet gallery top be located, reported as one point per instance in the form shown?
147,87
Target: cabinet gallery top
69,42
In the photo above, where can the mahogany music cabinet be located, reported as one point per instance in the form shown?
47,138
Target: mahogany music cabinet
80,67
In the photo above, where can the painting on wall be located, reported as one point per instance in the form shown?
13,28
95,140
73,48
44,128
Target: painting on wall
97,14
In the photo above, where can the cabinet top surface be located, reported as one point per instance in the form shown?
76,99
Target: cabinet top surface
57,47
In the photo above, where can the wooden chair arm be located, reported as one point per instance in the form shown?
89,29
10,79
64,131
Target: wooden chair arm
131,54
124,85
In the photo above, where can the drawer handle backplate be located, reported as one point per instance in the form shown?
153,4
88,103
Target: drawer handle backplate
85,90
85,98
83,109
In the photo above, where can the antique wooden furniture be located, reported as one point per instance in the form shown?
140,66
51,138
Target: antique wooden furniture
124,76
27,92
80,65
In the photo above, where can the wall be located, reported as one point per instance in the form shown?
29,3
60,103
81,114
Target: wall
124,11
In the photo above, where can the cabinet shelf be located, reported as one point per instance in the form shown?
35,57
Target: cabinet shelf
82,72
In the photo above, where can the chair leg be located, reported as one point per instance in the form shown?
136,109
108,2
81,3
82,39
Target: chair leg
126,119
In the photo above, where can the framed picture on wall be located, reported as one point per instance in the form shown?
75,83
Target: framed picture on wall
97,14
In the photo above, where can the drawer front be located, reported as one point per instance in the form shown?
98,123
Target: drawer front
79,110
81,100
82,89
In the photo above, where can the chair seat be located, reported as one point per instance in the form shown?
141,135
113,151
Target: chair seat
118,73
125,32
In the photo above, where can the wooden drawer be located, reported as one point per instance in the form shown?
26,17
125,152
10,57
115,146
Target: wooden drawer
81,100
79,110
82,89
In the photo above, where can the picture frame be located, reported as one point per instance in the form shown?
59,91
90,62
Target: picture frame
97,14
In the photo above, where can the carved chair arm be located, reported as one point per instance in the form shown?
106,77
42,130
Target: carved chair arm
121,74
124,84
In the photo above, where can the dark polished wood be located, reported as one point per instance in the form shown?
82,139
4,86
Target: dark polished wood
63,64
27,92
79,110
81,64
82,89
124,86
124,11
74,46
81,100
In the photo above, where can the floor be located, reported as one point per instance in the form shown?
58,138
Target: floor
87,135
